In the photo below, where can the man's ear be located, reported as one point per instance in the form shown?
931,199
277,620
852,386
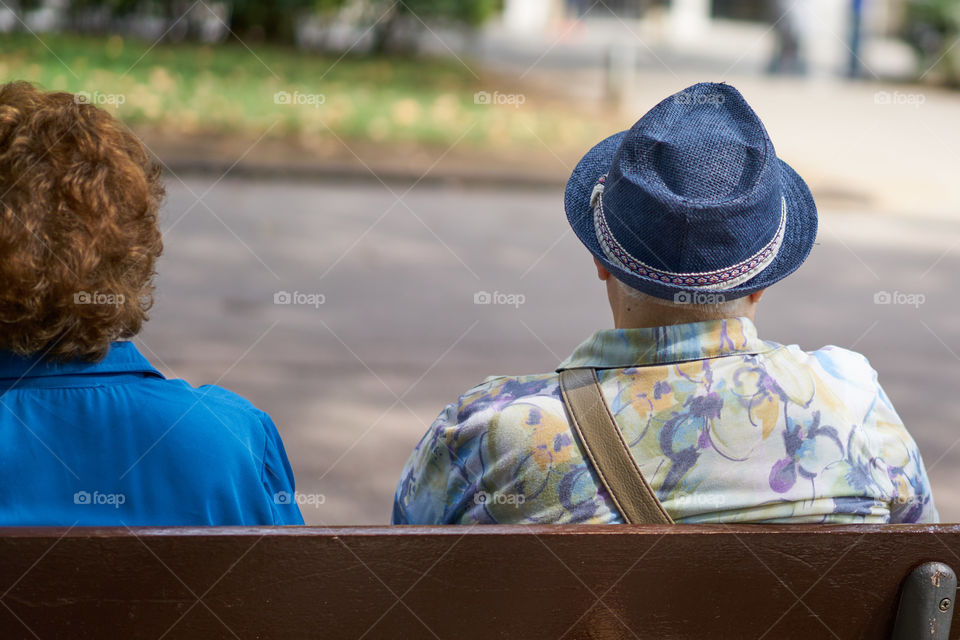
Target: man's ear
756,295
602,272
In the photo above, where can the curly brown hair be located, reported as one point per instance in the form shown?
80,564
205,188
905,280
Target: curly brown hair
79,235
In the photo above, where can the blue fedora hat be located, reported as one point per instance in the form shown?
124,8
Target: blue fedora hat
693,198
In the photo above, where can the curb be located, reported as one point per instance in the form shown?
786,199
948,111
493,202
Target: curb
353,174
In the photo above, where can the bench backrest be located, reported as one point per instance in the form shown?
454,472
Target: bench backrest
463,582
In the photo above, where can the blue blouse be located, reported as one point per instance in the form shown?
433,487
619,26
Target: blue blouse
116,443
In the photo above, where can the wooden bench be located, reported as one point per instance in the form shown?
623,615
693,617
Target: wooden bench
751,581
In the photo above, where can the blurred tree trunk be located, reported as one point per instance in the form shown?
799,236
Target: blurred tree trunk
175,15
269,20
385,33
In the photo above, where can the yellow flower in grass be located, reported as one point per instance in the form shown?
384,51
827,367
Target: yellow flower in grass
406,112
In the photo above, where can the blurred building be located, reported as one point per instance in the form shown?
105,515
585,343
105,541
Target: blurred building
825,26
885,15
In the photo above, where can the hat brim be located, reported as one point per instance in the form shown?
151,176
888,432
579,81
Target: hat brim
799,235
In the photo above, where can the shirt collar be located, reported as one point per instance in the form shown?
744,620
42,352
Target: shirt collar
123,357
622,348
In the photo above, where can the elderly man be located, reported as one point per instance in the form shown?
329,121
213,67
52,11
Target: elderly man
681,413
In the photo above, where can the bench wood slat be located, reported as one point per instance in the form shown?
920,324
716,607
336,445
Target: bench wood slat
716,581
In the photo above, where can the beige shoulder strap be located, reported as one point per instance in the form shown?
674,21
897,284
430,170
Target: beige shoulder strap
608,452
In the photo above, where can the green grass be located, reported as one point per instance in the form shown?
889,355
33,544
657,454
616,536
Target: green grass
190,88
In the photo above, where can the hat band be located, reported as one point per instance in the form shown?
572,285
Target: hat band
719,279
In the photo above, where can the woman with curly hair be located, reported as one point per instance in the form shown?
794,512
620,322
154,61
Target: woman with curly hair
90,432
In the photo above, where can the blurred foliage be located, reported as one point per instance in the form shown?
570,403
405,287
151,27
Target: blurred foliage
274,20
185,89
470,12
277,20
395,18
932,27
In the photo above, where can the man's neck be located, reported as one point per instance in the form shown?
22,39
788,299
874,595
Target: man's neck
625,317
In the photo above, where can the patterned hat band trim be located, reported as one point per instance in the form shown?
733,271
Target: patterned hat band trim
720,279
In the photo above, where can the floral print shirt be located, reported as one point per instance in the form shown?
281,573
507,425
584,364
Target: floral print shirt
725,427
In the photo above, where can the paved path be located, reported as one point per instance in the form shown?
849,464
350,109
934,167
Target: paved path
354,383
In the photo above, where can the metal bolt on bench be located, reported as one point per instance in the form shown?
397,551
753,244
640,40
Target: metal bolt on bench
926,603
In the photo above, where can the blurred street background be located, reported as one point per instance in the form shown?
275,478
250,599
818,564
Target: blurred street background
346,178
